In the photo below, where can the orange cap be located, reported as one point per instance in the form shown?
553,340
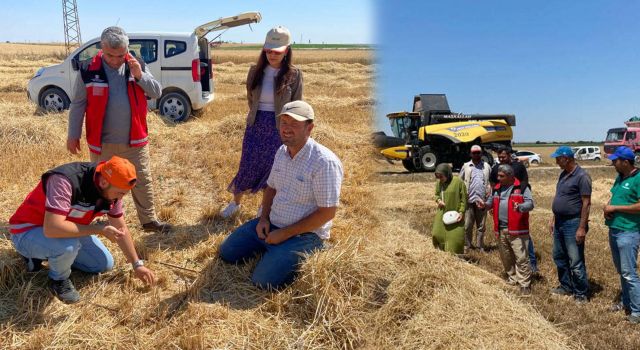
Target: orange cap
118,172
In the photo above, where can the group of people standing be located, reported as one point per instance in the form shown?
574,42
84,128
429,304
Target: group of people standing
299,178
505,191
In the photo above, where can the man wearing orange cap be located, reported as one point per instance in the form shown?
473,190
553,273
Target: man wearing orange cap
54,223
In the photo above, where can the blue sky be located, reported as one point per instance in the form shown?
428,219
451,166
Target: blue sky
568,70
318,21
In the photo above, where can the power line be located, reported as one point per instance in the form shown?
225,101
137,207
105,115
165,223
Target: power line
71,25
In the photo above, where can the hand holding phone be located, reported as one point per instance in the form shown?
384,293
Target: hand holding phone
134,66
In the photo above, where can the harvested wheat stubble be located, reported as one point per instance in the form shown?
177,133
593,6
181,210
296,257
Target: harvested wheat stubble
379,286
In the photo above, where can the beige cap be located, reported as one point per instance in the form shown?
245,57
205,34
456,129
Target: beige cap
298,110
277,39
476,148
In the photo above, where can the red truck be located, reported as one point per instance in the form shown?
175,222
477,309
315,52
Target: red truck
629,136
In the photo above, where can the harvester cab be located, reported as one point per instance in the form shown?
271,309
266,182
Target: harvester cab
432,134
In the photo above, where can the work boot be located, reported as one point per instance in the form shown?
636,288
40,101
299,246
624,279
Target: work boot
157,226
33,264
619,307
65,291
634,319
581,299
560,291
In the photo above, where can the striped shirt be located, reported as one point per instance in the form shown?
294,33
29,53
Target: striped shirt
304,183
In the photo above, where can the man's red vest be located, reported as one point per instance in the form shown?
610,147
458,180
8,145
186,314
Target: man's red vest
86,201
517,222
95,80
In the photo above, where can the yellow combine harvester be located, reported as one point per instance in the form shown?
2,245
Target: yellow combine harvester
432,134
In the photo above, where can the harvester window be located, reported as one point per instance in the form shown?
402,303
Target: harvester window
631,135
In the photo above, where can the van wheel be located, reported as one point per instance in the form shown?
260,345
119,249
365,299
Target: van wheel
54,100
175,106
596,159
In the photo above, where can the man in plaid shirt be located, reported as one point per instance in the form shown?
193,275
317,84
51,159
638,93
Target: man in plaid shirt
301,198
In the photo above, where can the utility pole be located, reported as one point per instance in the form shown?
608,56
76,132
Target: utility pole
71,25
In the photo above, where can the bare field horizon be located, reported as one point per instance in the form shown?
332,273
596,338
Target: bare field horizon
381,284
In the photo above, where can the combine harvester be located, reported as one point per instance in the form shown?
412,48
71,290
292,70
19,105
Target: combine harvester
432,134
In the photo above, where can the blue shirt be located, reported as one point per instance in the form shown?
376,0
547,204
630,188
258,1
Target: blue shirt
569,191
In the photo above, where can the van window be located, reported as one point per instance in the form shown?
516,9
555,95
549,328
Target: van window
172,48
147,50
89,52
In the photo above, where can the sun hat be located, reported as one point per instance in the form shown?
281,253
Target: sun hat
562,151
622,152
450,217
278,39
119,172
298,110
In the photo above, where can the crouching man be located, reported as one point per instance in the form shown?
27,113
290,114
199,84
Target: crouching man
301,198
54,223
511,203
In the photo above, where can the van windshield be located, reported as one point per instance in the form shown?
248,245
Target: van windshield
615,136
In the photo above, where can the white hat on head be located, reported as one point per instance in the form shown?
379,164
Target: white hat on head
278,39
298,110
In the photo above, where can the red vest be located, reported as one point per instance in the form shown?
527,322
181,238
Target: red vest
517,222
95,80
86,202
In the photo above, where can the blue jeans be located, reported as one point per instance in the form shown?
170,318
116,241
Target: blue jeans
569,257
533,261
624,250
279,262
84,253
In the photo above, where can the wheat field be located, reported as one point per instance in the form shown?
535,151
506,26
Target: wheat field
380,286
591,326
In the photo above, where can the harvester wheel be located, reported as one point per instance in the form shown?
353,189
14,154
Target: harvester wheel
428,159
408,164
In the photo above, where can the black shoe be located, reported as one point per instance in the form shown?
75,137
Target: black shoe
65,291
157,226
33,264
560,291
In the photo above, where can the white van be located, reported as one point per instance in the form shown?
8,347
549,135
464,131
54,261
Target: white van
181,62
587,153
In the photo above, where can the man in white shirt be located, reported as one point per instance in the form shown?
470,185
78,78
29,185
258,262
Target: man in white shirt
301,198
475,174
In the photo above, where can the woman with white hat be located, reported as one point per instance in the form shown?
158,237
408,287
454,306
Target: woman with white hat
451,198
271,83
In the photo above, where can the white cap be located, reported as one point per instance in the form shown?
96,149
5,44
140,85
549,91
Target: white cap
277,39
476,148
450,217
298,110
